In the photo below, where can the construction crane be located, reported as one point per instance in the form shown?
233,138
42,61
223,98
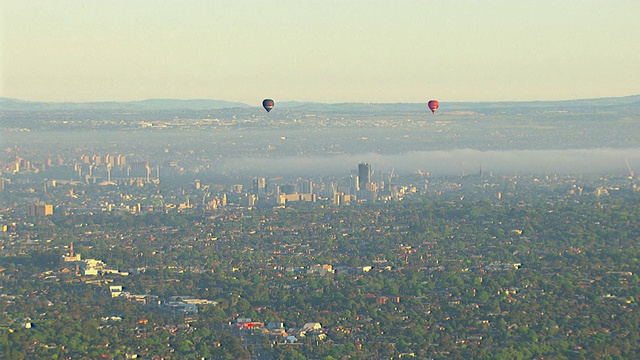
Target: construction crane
631,174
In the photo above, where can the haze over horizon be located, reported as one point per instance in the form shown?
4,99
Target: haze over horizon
244,51
294,101
345,52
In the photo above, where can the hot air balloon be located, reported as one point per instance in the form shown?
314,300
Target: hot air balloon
433,105
268,104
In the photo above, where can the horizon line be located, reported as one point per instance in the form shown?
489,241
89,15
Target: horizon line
2,98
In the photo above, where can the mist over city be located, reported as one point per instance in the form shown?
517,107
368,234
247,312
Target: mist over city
458,162
598,137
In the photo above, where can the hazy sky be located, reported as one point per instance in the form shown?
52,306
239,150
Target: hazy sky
328,51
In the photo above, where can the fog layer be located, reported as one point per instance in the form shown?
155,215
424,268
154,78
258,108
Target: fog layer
454,162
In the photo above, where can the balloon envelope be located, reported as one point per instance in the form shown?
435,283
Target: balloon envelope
433,105
268,104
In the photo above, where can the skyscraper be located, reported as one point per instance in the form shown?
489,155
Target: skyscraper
260,186
140,170
364,176
306,187
39,209
109,159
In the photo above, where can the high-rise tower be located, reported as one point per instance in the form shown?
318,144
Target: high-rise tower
364,176
259,186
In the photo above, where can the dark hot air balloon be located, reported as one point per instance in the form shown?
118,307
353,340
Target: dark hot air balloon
433,105
268,104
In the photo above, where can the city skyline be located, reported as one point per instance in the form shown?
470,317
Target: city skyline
337,52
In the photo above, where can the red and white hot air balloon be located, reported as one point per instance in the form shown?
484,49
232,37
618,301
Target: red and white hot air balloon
433,105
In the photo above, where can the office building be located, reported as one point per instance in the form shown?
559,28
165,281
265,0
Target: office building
40,209
306,187
260,186
364,176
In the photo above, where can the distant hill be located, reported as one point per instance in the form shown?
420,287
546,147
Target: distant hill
632,102
614,102
151,104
